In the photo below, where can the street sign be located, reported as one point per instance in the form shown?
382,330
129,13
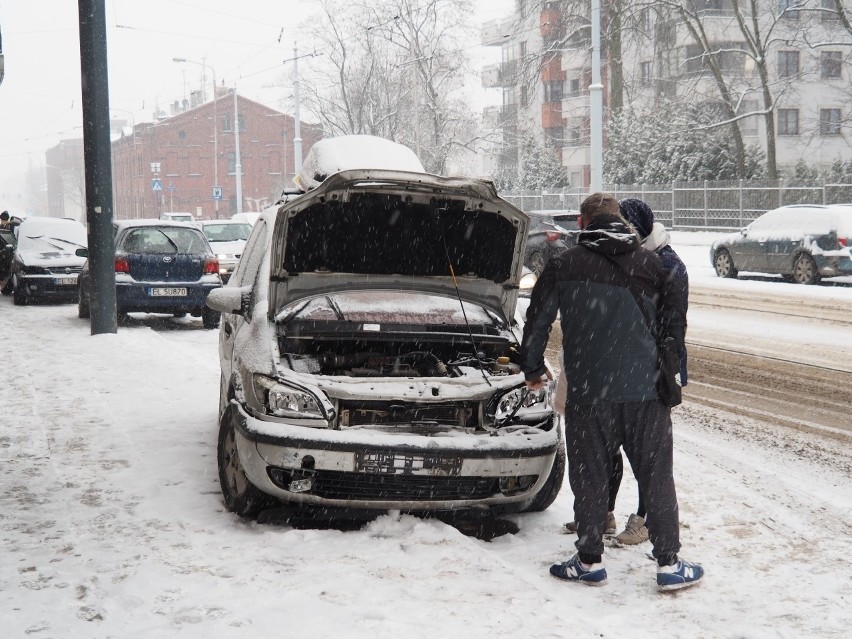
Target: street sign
217,192
156,184
171,187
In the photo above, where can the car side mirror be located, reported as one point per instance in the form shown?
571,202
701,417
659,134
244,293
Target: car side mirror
230,300
81,252
744,232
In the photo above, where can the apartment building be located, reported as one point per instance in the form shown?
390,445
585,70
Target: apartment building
790,68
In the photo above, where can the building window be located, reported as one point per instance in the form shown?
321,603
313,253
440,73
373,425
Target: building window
788,122
228,123
525,98
788,64
553,91
232,164
645,71
553,137
575,87
829,121
786,10
830,13
830,63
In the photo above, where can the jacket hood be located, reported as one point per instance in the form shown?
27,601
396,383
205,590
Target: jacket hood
658,238
396,230
610,235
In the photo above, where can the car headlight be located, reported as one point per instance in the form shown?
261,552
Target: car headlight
520,399
283,400
32,270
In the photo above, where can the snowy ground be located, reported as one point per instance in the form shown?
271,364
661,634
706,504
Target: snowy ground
112,525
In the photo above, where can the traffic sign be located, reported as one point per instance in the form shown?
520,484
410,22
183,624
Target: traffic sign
171,187
217,192
156,184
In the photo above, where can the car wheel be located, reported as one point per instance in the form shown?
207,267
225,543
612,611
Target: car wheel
553,485
241,496
805,270
19,298
210,318
724,264
537,263
82,304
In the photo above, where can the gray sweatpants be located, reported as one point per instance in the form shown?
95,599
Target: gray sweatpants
593,433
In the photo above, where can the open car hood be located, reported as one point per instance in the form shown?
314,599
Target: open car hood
395,230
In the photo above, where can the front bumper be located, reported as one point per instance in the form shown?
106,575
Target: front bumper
372,471
54,287
135,297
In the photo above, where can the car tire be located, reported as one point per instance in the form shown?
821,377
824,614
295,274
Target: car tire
724,264
805,270
241,496
548,493
82,304
210,318
537,263
19,298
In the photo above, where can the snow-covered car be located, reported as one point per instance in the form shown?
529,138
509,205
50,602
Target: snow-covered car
44,264
369,354
160,267
227,239
802,243
177,217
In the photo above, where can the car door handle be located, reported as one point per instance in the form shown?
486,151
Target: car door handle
228,329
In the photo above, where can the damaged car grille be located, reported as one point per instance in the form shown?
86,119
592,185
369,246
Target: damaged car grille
366,413
371,486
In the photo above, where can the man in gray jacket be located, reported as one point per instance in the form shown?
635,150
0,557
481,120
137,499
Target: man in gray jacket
610,364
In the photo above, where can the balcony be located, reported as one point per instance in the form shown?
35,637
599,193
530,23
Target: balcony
491,76
508,114
491,117
495,32
551,116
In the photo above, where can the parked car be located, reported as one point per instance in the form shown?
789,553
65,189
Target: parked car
248,218
803,243
227,239
160,267
43,263
551,232
177,217
7,252
369,354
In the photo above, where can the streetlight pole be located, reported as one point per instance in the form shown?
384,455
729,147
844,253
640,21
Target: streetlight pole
238,167
204,65
297,130
596,104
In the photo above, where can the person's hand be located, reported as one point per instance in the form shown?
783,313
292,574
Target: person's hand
536,384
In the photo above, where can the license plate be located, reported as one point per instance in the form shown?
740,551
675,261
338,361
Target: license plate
393,463
66,281
167,292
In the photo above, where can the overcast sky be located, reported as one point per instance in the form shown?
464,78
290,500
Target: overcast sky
244,41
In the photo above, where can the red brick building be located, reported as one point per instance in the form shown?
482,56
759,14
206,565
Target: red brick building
177,155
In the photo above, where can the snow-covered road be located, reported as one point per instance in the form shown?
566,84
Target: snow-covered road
112,524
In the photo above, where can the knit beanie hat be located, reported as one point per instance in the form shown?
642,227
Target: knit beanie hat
638,214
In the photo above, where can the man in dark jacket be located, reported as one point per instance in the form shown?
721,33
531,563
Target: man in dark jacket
610,363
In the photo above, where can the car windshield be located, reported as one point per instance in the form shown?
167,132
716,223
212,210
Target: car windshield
227,232
168,240
52,235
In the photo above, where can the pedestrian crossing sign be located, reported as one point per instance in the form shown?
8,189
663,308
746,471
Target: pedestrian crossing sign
156,184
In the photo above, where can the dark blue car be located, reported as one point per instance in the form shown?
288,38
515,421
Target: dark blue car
160,267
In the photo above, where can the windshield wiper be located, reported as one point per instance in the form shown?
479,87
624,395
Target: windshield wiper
41,237
59,239
171,241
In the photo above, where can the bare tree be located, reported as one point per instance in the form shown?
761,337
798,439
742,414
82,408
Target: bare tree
394,68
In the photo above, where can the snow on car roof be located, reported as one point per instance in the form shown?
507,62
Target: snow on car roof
803,220
348,152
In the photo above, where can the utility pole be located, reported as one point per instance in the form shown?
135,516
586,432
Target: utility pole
297,135
97,157
596,103
238,165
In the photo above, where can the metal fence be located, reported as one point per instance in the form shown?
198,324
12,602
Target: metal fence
697,205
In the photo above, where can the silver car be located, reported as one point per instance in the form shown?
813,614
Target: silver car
369,354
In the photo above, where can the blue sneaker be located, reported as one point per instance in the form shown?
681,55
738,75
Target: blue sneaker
683,574
576,570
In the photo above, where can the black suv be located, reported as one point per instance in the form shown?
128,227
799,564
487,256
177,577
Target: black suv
551,232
